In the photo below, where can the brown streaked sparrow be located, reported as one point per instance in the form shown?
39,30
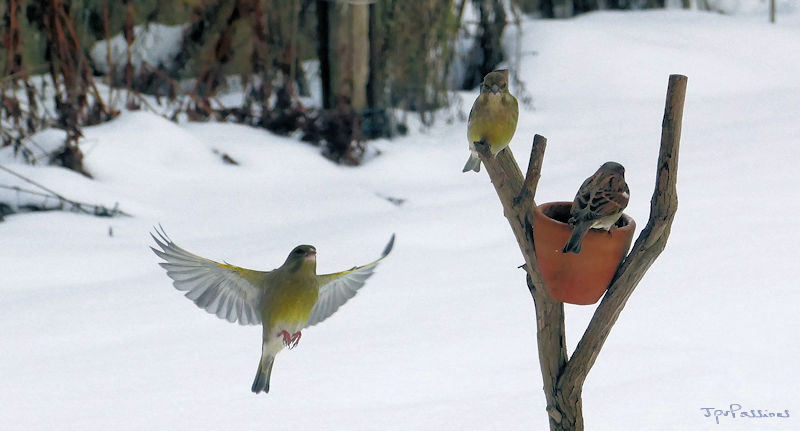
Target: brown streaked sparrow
598,204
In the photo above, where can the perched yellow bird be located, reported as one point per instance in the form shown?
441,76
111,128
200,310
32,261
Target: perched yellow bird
493,117
284,300
599,203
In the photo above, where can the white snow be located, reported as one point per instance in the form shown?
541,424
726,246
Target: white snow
443,336
156,44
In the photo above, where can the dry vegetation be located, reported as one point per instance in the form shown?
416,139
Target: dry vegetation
48,77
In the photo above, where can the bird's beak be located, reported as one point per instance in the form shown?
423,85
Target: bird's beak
495,88
312,253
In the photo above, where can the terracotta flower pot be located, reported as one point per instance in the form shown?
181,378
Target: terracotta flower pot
577,278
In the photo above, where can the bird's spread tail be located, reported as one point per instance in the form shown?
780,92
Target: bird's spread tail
261,382
473,164
575,241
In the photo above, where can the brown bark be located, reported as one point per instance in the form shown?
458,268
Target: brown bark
487,50
344,51
12,41
563,378
347,53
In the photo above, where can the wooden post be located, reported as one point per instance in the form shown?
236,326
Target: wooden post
772,11
563,378
347,67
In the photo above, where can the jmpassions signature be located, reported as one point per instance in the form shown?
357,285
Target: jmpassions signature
735,411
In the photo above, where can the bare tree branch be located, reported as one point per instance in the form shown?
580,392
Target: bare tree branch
563,379
648,246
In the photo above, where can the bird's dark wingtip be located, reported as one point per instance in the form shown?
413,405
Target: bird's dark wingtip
388,247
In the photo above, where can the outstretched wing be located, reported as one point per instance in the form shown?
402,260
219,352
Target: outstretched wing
228,291
336,289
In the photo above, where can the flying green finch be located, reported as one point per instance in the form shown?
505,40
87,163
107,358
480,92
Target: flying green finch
284,300
493,117
598,204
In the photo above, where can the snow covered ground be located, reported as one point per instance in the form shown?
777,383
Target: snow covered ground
442,337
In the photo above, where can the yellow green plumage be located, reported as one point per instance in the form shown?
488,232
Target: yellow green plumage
493,118
284,300
293,302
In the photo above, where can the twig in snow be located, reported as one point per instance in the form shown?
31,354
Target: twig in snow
73,205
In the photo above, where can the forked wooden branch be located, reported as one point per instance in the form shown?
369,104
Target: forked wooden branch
563,379
648,245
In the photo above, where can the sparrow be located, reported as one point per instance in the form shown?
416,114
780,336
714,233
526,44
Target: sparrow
493,117
283,301
598,204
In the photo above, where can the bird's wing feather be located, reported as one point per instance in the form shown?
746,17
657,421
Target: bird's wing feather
230,292
609,197
600,197
619,193
337,288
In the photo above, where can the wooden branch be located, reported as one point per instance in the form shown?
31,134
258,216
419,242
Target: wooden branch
551,343
518,199
517,195
507,180
648,246
534,170
563,379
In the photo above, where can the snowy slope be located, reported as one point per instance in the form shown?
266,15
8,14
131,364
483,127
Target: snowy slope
442,337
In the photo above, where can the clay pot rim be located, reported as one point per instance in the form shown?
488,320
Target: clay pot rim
627,221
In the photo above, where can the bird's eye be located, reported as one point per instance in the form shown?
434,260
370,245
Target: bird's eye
298,251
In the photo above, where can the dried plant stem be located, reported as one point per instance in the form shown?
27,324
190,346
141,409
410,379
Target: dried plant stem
78,206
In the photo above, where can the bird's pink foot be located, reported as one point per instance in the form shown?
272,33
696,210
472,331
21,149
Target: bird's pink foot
290,340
